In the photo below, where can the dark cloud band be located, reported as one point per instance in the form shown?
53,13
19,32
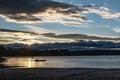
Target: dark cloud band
26,37
79,37
28,6
32,11
36,10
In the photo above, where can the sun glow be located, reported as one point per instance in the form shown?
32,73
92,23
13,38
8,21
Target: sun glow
28,39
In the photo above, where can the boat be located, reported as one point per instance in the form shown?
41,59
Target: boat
40,60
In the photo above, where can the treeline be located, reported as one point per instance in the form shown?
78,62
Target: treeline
29,52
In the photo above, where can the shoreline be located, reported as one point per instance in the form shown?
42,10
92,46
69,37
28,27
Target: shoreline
59,74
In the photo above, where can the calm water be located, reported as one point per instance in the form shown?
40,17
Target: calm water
66,62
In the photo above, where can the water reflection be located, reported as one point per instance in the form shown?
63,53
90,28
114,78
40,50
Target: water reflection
30,64
65,62
23,62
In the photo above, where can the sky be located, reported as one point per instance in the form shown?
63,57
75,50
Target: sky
58,21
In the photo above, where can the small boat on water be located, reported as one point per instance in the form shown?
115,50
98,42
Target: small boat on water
40,60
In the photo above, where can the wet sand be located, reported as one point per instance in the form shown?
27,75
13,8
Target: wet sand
59,74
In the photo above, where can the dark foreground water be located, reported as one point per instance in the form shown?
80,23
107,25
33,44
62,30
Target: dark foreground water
65,62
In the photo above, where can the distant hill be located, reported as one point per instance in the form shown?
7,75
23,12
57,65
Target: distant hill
75,46
62,49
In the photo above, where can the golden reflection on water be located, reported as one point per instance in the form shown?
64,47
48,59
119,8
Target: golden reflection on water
24,63
30,63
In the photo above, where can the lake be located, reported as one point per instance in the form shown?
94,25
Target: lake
65,62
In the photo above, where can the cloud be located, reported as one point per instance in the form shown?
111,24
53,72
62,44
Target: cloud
25,37
81,37
32,11
38,11
17,31
23,18
6,40
37,29
104,13
117,30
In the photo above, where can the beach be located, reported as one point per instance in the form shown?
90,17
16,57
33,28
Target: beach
59,74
